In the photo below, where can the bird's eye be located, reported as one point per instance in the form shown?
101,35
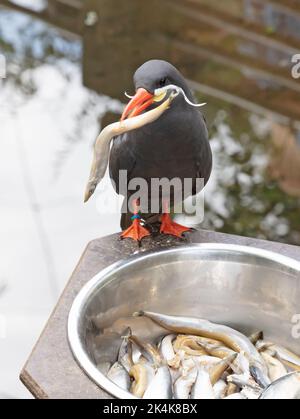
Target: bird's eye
162,82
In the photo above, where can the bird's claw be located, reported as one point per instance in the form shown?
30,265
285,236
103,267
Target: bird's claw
135,232
168,226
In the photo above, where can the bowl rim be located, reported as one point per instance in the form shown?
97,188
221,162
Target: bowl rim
102,276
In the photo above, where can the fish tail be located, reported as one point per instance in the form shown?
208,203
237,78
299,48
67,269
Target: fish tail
90,189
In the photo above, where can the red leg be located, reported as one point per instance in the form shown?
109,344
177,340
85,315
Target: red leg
168,226
136,231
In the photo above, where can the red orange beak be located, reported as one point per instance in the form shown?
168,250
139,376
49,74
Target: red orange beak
140,101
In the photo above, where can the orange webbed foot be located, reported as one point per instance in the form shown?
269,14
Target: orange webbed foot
168,226
135,232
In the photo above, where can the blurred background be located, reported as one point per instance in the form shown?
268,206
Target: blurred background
68,63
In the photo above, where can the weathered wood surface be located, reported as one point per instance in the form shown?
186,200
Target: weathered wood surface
232,48
51,371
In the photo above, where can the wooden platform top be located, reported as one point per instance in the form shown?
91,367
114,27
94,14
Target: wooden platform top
51,371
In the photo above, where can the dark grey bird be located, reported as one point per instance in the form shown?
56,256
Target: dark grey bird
174,146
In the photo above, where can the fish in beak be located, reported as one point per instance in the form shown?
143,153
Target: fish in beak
140,101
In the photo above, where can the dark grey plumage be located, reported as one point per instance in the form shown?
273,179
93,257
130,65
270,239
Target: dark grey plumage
176,145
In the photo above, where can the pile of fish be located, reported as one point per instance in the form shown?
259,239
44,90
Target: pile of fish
198,359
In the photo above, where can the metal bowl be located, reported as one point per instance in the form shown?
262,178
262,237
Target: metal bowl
249,289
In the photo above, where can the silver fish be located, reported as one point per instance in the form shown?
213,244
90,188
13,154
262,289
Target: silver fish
166,348
125,352
125,346
175,373
232,338
220,389
189,345
136,354
242,377
202,389
243,380
287,388
176,361
289,358
206,362
148,350
118,375
250,389
217,370
241,365
275,367
102,145
217,350
183,385
161,385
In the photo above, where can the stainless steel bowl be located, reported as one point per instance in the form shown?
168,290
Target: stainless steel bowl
249,289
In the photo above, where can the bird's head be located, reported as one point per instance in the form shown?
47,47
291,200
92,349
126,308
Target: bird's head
153,81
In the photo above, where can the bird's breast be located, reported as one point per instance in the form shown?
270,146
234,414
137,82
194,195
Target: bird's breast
175,145
174,137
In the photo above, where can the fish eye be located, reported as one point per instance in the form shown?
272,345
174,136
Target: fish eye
162,82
